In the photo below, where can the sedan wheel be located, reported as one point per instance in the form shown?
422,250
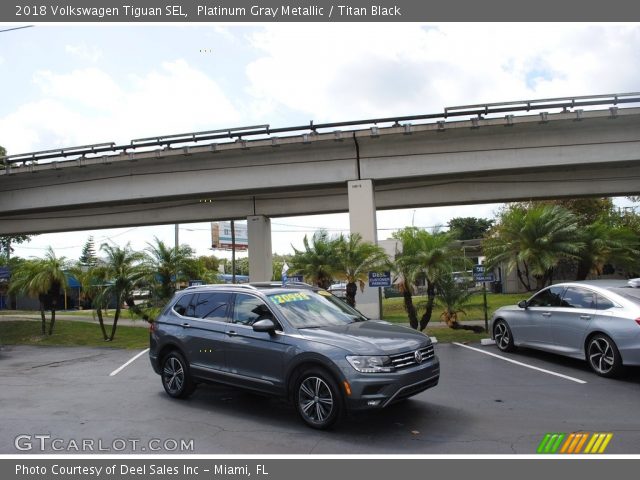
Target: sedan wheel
318,400
176,379
603,356
502,336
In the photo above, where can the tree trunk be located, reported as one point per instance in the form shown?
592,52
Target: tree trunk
584,268
431,296
351,291
135,308
116,316
410,308
53,320
101,321
44,320
524,279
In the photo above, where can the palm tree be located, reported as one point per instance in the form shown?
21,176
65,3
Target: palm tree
124,272
318,261
425,256
434,258
355,259
454,299
605,243
406,270
92,285
532,240
44,278
166,265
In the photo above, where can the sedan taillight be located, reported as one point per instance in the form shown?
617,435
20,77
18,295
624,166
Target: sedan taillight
638,321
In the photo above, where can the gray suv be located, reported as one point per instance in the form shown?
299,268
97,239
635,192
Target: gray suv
299,343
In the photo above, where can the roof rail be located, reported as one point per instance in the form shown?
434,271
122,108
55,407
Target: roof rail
222,285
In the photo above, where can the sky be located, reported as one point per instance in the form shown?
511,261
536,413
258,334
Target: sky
67,85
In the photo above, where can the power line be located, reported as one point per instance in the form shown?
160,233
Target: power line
16,28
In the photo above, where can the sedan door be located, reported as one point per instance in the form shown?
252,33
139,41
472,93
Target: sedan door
534,325
571,320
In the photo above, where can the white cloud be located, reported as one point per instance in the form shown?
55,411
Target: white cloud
84,52
346,71
92,106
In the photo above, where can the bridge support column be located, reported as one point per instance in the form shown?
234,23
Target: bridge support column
259,233
362,220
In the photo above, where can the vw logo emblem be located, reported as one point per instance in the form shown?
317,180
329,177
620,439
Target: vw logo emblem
418,356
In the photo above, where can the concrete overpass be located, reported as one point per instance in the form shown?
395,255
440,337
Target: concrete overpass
480,159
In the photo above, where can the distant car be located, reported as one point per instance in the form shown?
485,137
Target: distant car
597,321
297,342
339,290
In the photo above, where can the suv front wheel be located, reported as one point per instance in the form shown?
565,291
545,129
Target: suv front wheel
318,399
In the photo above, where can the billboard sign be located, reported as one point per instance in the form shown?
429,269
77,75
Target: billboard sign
221,235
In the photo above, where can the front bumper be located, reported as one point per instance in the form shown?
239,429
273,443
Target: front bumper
374,391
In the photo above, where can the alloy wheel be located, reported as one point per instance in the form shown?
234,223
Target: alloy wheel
502,336
173,376
315,400
601,355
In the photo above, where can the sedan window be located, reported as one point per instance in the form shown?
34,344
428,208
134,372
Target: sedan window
603,303
576,297
550,297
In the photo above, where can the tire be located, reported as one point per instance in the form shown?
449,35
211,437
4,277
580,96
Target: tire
176,378
603,356
318,399
503,336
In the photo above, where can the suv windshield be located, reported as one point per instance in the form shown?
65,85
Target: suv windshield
309,310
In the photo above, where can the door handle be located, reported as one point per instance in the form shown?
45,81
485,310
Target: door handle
185,325
232,333
546,314
585,317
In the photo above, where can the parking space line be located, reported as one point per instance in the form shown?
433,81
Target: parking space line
577,380
122,367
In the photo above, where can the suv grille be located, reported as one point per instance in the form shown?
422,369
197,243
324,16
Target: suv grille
408,359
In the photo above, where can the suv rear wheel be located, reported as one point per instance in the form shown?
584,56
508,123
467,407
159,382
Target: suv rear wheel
318,399
176,378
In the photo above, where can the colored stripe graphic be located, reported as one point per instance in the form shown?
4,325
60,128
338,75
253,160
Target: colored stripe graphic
573,443
551,442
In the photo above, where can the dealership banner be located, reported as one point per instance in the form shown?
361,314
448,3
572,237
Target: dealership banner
314,469
260,11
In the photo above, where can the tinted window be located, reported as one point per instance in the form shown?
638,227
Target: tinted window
603,303
182,306
248,309
551,297
578,298
212,305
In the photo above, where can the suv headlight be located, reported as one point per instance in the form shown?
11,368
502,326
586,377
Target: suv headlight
371,364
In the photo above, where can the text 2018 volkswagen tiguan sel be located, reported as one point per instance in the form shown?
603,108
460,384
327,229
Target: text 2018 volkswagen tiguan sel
299,343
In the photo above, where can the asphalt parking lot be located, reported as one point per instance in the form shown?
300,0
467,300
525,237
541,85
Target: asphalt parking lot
483,404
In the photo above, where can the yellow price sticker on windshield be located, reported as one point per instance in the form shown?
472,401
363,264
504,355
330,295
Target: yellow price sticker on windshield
289,297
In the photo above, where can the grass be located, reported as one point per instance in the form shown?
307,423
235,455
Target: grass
393,308
70,333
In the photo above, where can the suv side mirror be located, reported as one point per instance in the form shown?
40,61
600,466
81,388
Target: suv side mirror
523,304
265,325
